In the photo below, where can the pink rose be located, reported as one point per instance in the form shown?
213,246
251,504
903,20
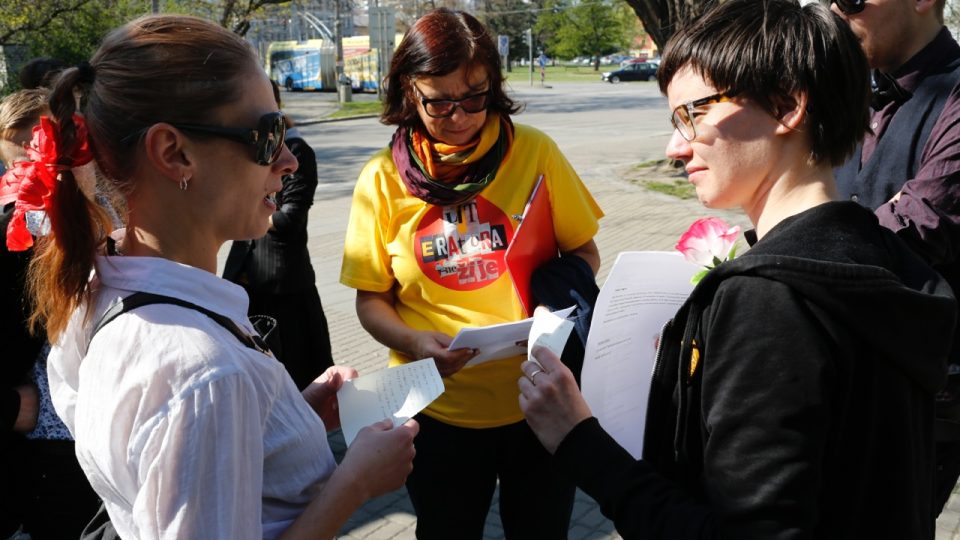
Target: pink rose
707,243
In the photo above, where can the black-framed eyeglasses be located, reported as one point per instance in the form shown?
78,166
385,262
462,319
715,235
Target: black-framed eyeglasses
444,108
849,7
683,114
268,137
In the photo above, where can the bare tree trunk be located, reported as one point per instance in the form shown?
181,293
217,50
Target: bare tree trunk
228,8
661,18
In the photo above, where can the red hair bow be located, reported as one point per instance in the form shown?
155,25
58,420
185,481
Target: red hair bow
37,177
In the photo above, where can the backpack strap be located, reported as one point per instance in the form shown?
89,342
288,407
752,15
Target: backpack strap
139,299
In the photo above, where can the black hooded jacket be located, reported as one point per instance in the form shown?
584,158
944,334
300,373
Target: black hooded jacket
792,397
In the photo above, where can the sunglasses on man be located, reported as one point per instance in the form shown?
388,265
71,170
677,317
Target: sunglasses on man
267,138
850,7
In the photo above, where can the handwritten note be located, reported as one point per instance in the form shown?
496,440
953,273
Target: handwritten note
643,291
397,393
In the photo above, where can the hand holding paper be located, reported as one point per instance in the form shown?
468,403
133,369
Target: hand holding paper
642,292
397,393
436,345
549,398
381,458
321,394
549,330
500,340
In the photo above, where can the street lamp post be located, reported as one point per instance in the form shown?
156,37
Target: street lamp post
344,86
528,34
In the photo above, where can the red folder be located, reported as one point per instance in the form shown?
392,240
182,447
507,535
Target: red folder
533,244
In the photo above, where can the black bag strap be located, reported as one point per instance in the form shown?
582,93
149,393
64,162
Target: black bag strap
100,527
140,299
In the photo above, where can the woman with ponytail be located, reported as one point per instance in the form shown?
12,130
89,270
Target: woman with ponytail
185,425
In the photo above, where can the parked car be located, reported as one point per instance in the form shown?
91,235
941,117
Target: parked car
643,71
613,59
632,60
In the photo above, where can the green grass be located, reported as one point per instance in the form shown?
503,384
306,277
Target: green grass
663,176
357,108
657,164
676,188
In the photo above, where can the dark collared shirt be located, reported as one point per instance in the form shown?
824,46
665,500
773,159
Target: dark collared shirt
929,203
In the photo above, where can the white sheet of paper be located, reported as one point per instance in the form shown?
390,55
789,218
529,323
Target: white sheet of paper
498,340
548,330
397,393
643,291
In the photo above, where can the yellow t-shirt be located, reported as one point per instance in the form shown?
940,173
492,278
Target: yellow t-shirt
446,264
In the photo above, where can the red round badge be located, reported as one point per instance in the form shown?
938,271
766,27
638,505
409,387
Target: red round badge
463,247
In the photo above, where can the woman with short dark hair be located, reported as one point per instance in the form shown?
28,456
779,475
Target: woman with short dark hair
793,395
432,218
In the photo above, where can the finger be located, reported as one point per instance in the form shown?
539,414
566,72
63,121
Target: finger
530,367
524,402
407,432
344,372
412,425
442,339
547,359
457,353
384,425
463,355
526,387
334,380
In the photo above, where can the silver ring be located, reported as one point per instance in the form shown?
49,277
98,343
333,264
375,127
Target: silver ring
533,376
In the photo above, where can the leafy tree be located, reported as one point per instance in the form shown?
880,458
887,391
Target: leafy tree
589,28
69,30
511,18
661,18
237,14
408,11
76,37
21,17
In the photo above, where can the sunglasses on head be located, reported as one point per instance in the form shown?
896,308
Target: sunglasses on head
849,7
444,108
268,137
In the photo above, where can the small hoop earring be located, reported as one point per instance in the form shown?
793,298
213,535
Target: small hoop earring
184,183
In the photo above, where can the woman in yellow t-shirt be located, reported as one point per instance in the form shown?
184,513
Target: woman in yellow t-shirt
433,215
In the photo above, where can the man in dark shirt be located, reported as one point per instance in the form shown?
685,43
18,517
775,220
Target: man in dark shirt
908,169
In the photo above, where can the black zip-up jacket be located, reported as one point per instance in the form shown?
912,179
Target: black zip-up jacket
793,395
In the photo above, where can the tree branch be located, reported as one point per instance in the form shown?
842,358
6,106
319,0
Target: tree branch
34,24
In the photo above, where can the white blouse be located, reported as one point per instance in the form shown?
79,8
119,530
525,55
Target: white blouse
183,431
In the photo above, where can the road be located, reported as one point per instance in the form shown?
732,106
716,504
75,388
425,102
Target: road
599,127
